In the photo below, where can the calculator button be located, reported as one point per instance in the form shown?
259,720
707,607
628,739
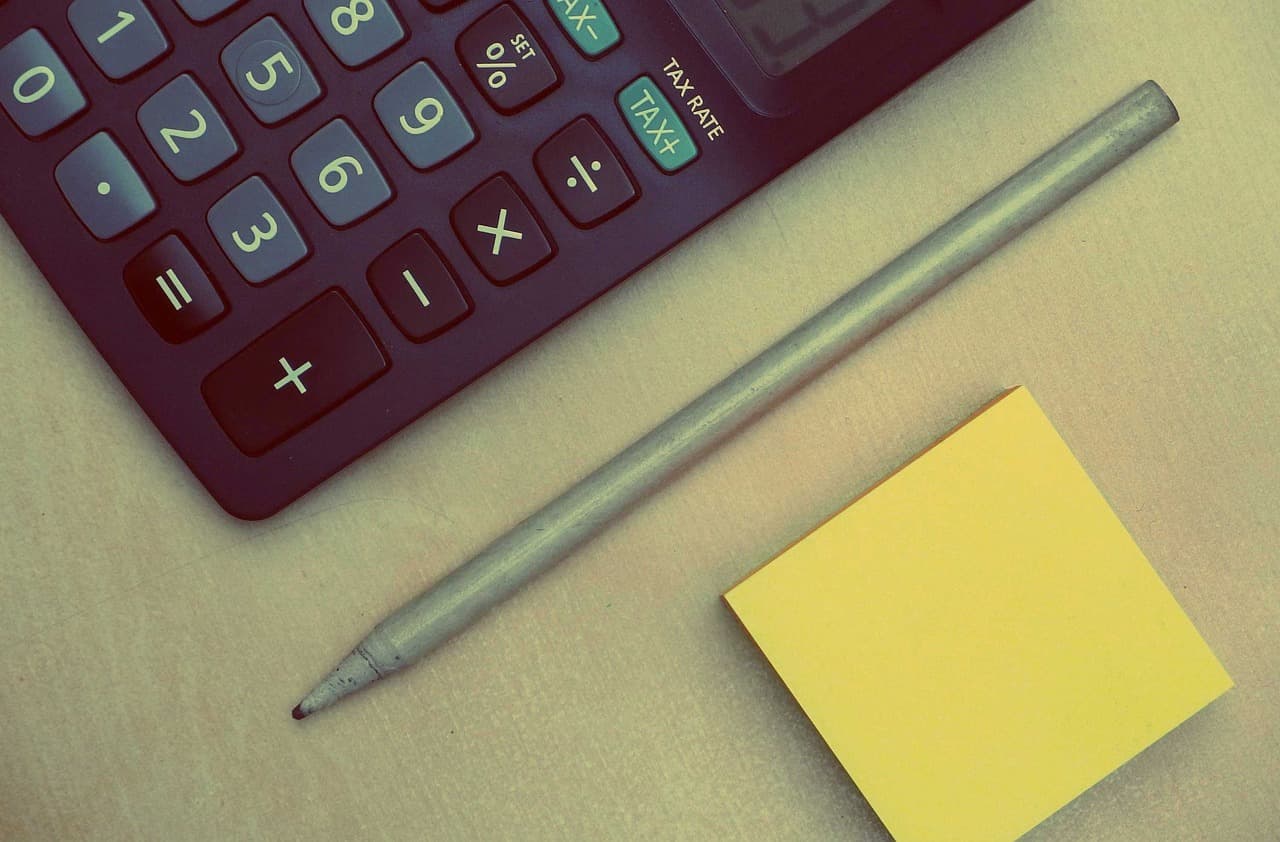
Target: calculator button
656,125
186,130
417,289
440,5
339,174
104,188
293,374
269,73
501,232
506,61
588,24
173,290
422,117
584,175
121,36
203,10
358,31
256,232
36,89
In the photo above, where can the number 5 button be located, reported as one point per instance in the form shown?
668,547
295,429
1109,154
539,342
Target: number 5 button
269,73
256,232
185,130
358,31
339,174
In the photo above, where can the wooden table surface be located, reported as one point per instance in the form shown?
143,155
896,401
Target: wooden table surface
151,646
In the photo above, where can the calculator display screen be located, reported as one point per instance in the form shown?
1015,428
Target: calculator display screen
783,34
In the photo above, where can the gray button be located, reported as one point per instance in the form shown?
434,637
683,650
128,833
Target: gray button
269,73
339,174
357,32
256,232
203,10
121,36
36,89
186,130
422,117
103,187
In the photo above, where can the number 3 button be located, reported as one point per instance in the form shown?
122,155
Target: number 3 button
340,175
256,232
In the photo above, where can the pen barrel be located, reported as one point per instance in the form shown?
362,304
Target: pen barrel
849,322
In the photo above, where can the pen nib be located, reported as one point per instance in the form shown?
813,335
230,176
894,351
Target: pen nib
297,712
349,676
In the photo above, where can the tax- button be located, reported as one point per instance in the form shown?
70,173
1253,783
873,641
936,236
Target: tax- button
293,374
656,125
589,24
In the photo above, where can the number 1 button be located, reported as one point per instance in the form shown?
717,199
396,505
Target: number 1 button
120,35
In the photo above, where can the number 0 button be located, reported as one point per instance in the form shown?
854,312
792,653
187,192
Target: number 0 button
256,232
269,73
340,175
358,31
36,89
185,130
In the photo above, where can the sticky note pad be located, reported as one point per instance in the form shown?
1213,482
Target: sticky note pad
977,638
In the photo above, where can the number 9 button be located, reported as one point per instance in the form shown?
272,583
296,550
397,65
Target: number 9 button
269,73
339,174
422,117
358,31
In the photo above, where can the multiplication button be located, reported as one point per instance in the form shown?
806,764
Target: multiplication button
506,60
501,231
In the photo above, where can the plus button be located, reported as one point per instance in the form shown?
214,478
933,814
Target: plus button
293,376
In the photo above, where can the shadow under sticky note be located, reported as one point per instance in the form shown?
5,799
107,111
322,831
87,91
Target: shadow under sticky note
977,638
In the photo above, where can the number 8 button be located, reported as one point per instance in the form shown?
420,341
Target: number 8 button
358,31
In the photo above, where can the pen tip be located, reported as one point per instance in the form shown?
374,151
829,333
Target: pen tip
298,713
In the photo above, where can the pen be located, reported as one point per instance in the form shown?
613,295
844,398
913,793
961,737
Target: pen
457,600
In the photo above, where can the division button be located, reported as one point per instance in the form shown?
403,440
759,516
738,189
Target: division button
173,290
505,59
656,125
501,231
293,374
103,187
584,175
417,289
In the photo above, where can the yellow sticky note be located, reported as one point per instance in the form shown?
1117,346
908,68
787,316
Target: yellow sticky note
978,638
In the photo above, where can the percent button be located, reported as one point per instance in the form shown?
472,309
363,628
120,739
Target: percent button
506,60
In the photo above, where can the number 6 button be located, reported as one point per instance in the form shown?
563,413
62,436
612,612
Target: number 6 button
256,232
339,174
269,73
358,31
185,130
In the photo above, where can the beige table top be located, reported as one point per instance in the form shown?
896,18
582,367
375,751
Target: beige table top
151,647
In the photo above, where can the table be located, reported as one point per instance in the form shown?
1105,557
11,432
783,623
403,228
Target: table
152,647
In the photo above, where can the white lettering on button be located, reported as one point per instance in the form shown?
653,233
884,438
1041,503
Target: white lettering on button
500,232
417,290
170,284
293,376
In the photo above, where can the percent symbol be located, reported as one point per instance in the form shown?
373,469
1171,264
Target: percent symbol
498,77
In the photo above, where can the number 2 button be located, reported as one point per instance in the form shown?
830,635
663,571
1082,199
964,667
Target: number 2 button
358,31
339,174
185,130
256,232
269,73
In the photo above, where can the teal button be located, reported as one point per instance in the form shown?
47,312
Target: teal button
656,125
589,24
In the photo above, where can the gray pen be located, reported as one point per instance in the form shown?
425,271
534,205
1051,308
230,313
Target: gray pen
547,536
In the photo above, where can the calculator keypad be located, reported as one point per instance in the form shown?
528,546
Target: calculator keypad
186,131
417,289
506,61
340,175
36,89
104,188
421,115
121,36
256,232
268,72
358,31
201,11
173,290
293,374
501,231
582,172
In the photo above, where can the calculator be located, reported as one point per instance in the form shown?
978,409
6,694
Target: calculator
292,227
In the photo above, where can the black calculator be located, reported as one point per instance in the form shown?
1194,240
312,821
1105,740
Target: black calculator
292,227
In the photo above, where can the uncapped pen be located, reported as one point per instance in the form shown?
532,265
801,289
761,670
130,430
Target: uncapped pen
849,322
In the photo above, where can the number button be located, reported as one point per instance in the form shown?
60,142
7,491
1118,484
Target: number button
417,289
501,232
36,89
422,117
506,61
269,73
205,10
340,175
293,374
103,187
173,290
121,36
358,31
186,130
256,232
